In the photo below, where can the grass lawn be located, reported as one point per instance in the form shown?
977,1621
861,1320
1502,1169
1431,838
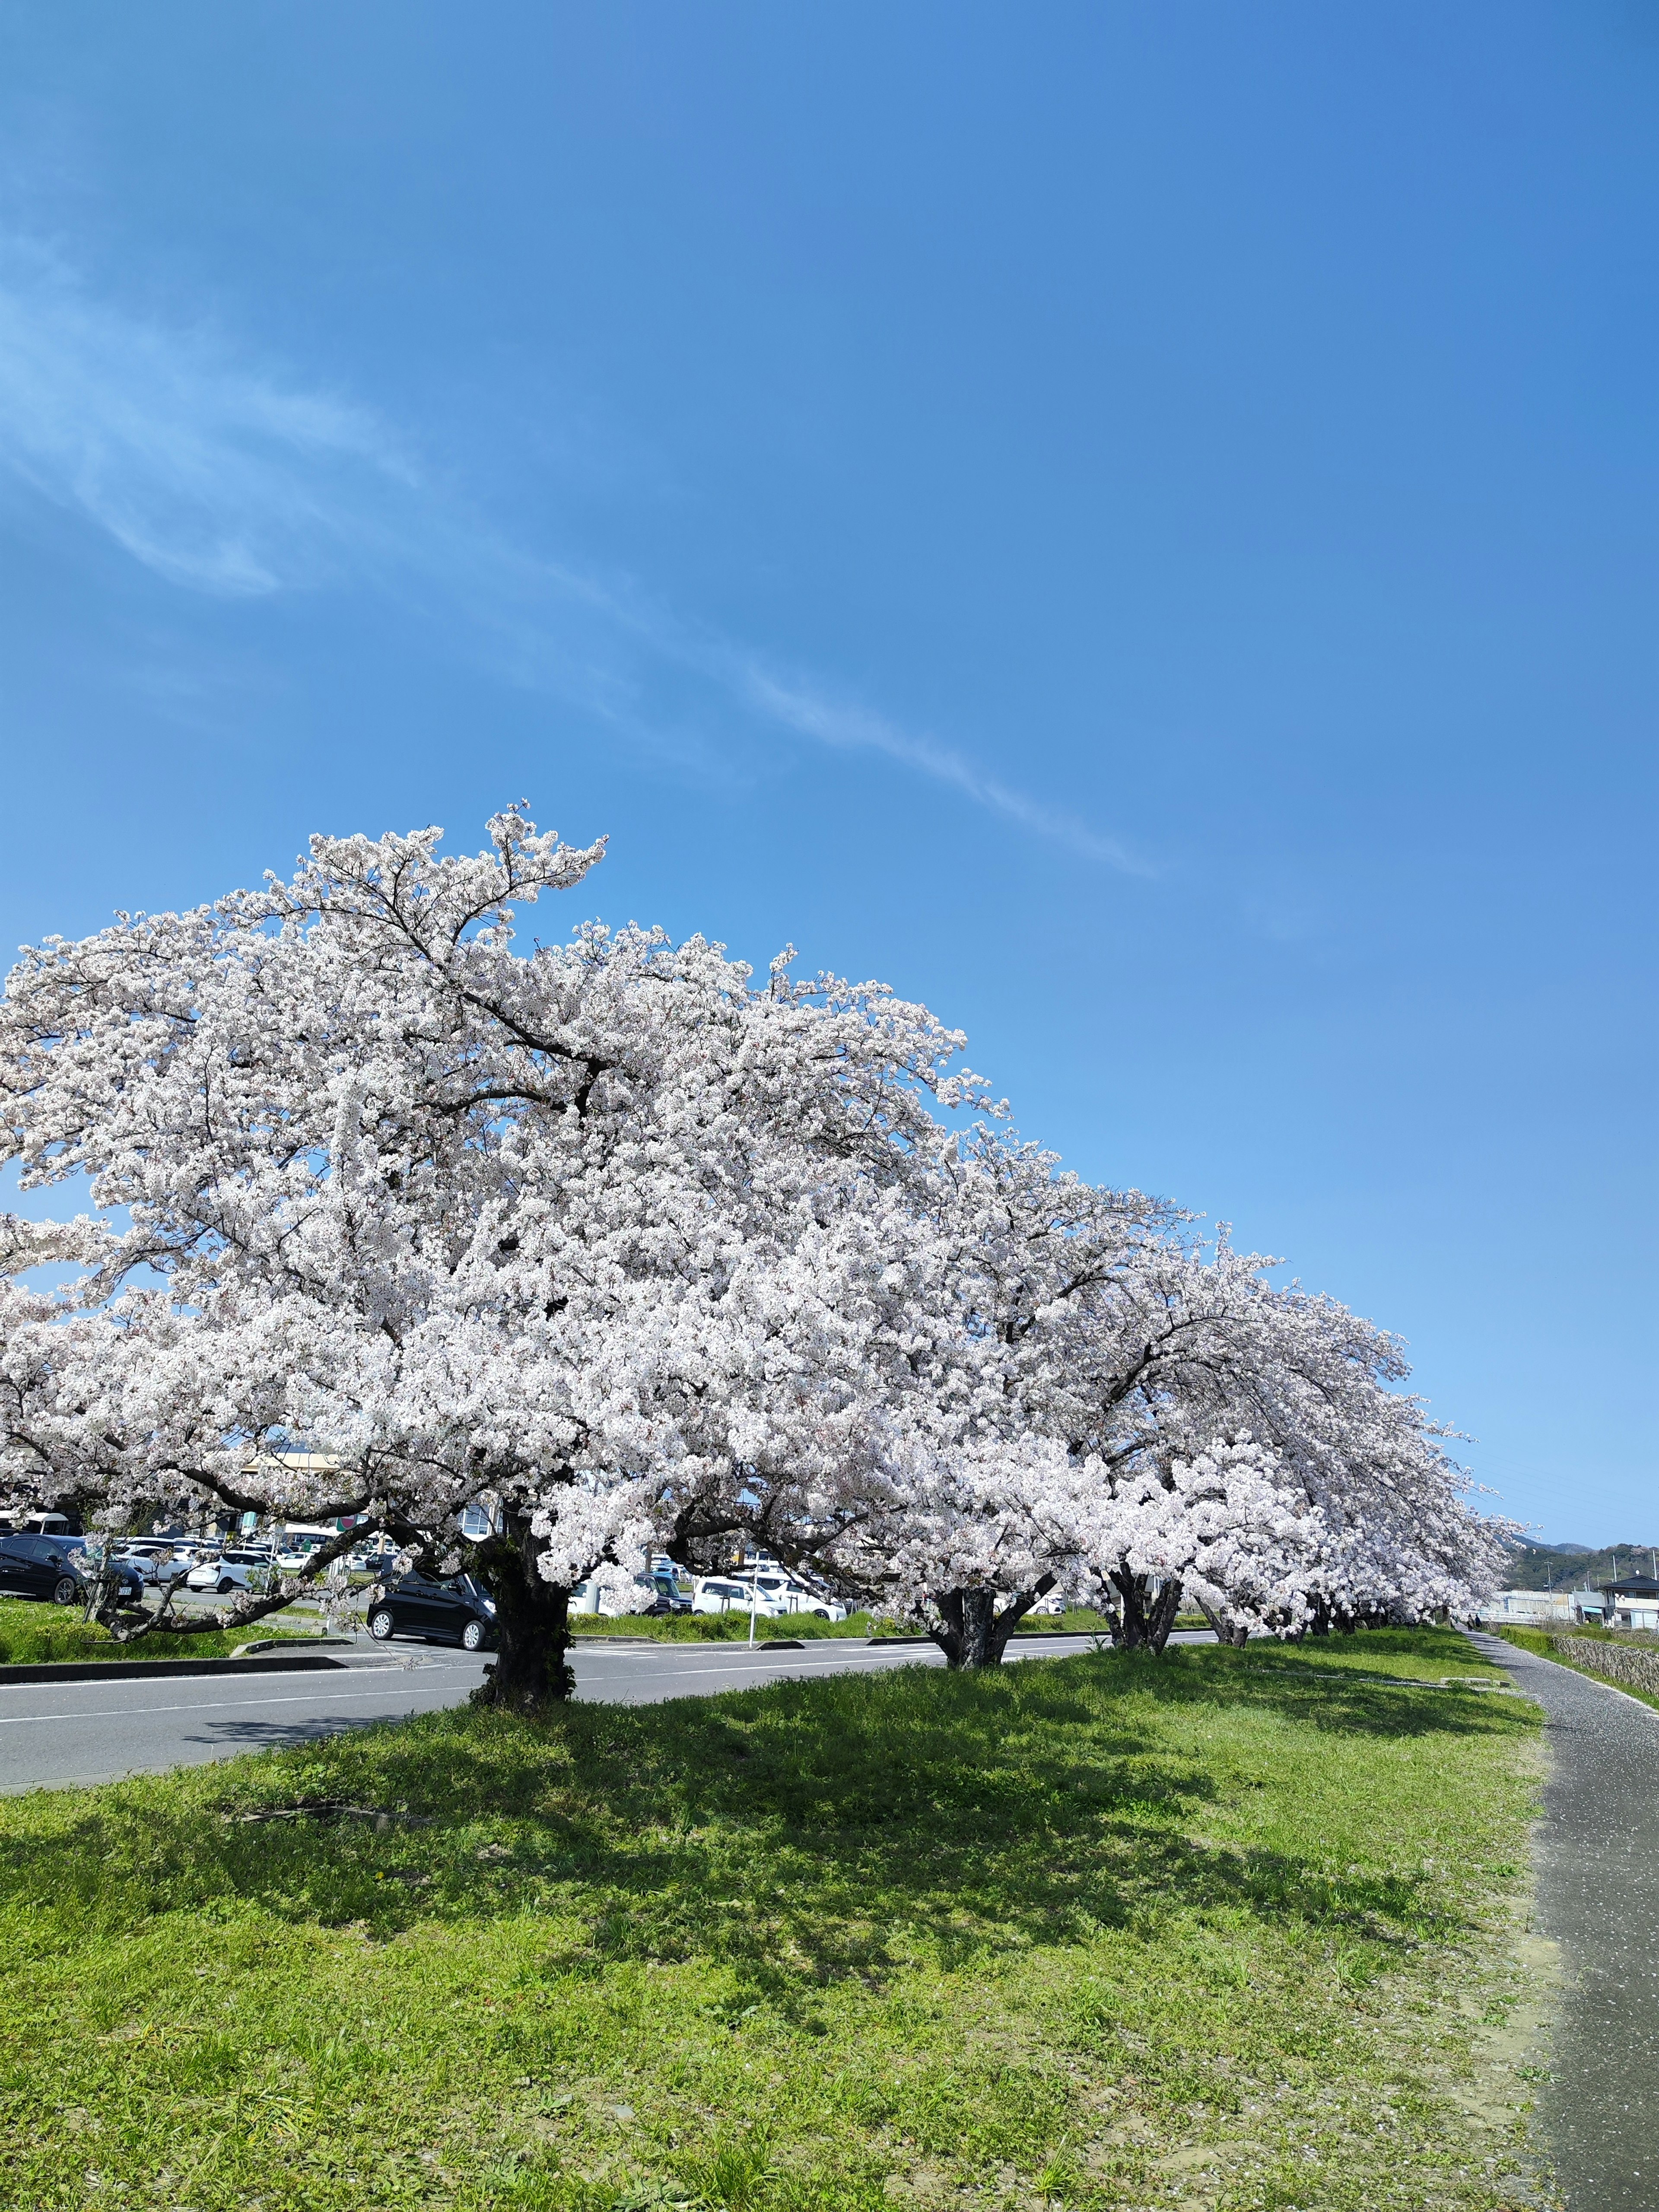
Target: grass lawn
717,1627
34,1634
734,1627
1101,1931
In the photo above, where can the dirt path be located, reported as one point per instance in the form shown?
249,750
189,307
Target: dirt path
1598,1898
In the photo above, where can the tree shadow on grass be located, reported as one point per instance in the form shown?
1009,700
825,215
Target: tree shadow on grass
793,1835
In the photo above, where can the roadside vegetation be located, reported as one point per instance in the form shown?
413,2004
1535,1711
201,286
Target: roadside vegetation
719,1627
35,1635
1227,1929
734,1627
1557,1645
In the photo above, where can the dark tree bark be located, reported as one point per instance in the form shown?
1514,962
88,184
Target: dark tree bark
973,1634
528,1673
1145,1621
1226,1632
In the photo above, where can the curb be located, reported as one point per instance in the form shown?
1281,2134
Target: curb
288,1642
146,1670
627,1643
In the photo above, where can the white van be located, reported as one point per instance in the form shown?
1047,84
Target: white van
45,1524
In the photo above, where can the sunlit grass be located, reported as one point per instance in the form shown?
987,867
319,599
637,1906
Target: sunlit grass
717,1628
35,1634
1095,1932
734,1627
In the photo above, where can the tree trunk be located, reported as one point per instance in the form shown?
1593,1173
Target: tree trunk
532,1620
1226,1632
974,1633
1146,1621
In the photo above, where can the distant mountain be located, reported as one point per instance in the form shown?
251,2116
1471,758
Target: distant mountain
1570,1566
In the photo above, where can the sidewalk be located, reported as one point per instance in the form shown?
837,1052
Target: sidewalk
1598,1898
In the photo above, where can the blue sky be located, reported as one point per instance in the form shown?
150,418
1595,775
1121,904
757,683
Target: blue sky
1135,525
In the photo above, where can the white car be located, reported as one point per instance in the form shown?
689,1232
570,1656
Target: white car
160,1563
230,1570
791,1596
726,1594
156,1565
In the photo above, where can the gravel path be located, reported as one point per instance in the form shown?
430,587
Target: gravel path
1598,1898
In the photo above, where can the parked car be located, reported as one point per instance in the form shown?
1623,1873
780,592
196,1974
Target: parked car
671,1587
296,1542
229,1570
48,1567
372,1559
156,1563
147,1565
724,1594
666,1590
791,1596
452,1612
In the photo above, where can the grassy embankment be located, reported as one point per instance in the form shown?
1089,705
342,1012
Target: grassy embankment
1224,1930
734,1627
1546,1644
36,1635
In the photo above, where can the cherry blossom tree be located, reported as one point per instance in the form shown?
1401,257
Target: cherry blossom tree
392,1217
1100,1406
547,1231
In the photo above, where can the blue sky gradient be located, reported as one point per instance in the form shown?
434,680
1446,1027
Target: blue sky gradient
1134,524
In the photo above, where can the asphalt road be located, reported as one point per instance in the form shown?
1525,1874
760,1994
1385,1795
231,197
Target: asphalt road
1598,1898
53,1734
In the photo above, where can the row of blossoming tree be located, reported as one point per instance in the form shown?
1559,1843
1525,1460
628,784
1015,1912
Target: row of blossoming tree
390,1218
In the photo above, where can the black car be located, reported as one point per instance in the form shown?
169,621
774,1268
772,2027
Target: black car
51,1567
454,1612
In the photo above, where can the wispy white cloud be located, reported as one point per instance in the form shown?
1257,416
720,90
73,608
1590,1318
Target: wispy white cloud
227,477
218,476
801,706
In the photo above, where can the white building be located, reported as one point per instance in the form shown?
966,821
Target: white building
1533,1608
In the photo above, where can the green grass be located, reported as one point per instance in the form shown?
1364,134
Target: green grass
717,1627
34,1634
734,1627
1102,1932
1427,1655
1080,1620
1539,1641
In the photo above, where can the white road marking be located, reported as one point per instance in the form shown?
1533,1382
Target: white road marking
714,1665
206,1705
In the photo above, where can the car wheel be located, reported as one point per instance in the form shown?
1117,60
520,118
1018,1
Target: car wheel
225,1584
819,1614
66,1590
472,1636
380,1624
